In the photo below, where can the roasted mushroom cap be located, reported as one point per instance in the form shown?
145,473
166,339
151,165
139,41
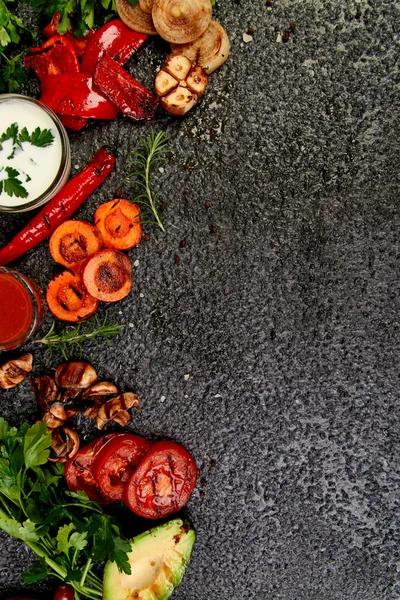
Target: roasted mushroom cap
181,21
179,84
75,375
64,444
99,390
116,409
46,390
135,18
210,50
15,371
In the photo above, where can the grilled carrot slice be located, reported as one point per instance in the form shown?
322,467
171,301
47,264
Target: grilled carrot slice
68,298
73,241
119,224
107,275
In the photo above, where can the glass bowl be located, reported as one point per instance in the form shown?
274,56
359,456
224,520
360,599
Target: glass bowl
40,170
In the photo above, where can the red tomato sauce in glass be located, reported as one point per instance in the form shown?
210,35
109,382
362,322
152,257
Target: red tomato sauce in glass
16,310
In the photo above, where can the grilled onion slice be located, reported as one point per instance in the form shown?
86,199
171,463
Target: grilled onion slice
134,17
181,21
210,50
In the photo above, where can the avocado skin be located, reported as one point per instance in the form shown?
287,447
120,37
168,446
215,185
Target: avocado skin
158,560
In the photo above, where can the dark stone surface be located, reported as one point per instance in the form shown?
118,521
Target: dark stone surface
285,318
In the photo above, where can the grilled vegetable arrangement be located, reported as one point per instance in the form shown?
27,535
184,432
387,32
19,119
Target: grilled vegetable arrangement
69,532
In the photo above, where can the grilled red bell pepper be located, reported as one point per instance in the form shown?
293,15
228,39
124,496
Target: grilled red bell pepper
130,96
78,43
115,39
61,207
57,55
75,123
73,94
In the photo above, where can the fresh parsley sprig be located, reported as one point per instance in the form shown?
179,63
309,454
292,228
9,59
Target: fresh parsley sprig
67,531
69,341
152,151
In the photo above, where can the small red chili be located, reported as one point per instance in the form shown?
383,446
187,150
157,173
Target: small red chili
60,208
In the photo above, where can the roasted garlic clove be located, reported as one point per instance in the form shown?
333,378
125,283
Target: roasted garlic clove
45,390
178,66
64,445
75,376
180,84
14,371
197,81
181,21
179,102
210,50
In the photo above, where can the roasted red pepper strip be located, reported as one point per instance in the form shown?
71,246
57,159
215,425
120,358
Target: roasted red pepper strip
115,39
131,97
75,123
55,56
61,207
78,43
73,94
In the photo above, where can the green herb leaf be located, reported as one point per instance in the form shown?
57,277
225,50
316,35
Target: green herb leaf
41,138
37,445
38,572
12,185
69,341
151,152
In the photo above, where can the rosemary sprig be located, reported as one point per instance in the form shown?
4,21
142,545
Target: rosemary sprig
151,151
69,341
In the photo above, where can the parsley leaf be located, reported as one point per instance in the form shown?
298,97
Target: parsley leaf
38,137
12,185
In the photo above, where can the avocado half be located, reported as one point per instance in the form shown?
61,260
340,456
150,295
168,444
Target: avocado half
158,560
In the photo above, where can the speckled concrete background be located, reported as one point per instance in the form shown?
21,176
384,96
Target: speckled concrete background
270,350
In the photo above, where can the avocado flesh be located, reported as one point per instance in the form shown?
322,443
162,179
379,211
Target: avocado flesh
158,560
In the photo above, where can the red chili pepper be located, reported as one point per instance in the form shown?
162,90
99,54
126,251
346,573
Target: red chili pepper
55,56
61,207
115,39
52,27
131,97
73,94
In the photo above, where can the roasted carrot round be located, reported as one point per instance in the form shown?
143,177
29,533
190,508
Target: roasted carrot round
107,275
68,299
119,223
73,241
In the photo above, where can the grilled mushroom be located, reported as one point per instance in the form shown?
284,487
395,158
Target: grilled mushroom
52,422
45,390
135,18
210,50
14,371
181,21
64,444
100,390
75,376
179,84
116,409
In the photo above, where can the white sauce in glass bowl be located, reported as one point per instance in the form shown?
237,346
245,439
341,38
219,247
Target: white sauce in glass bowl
40,164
